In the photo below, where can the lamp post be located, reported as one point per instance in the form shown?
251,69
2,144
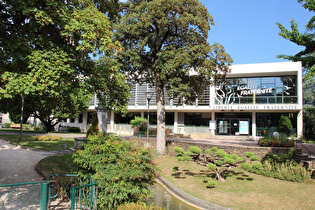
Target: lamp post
149,96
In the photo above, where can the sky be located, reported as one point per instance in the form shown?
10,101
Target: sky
248,31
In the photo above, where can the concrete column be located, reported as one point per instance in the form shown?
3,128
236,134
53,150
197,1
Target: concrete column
212,131
112,121
142,114
102,115
300,124
175,122
254,124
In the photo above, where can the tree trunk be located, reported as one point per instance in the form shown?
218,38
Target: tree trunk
220,174
160,133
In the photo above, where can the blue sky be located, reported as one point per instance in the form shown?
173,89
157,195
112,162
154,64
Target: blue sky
248,31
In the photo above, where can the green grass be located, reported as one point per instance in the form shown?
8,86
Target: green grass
15,130
31,142
241,190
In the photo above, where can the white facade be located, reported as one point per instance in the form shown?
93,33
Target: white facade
253,98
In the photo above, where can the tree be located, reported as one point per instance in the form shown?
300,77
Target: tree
302,39
284,125
165,45
58,53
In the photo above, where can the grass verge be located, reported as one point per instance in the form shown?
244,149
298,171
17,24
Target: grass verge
241,190
31,142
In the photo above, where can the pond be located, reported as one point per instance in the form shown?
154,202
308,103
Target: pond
161,197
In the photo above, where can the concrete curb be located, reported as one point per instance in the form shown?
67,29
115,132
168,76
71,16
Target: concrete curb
191,200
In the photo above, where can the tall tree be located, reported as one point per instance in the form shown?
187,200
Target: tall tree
58,53
307,39
165,45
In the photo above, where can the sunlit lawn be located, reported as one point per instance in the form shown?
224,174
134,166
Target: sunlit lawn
31,142
241,190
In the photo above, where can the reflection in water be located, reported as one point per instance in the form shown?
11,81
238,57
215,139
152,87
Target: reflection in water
163,198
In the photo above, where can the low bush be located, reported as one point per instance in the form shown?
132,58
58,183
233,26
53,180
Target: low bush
290,171
195,149
220,153
208,151
138,206
219,162
272,141
249,154
254,158
211,184
214,149
48,138
7,125
74,130
247,166
211,166
123,171
179,150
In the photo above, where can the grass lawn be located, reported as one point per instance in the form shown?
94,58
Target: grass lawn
31,142
241,190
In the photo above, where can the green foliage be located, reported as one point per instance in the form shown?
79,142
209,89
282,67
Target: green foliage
229,161
55,66
208,151
234,157
74,130
284,125
249,154
219,162
123,172
279,159
211,166
290,171
214,149
179,150
7,125
93,129
163,40
272,141
247,166
140,122
175,168
254,158
182,157
138,206
195,149
211,184
220,153
257,166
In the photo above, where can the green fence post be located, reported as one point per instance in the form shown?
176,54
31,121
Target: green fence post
44,196
72,197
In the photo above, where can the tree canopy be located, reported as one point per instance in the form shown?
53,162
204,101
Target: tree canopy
58,53
306,39
165,45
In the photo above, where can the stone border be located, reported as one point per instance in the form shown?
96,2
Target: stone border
187,198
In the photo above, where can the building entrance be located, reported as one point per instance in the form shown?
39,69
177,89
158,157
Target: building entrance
228,126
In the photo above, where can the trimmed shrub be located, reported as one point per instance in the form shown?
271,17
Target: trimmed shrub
208,151
214,149
195,149
211,184
257,165
179,150
249,154
74,130
219,162
247,166
7,125
211,166
220,153
234,157
254,158
284,125
229,161
93,129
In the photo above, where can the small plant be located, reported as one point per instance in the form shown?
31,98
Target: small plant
93,129
195,149
140,122
175,168
219,162
211,166
208,151
74,130
254,158
257,165
179,150
220,153
284,125
214,149
211,184
229,161
249,154
247,166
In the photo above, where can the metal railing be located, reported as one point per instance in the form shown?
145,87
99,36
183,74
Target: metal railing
31,195
74,191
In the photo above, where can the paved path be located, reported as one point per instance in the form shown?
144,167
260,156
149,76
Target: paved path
17,165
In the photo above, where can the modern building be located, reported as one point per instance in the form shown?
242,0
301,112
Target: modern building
250,102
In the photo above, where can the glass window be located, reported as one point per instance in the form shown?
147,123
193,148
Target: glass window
197,119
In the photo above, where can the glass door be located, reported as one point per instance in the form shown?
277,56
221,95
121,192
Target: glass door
223,127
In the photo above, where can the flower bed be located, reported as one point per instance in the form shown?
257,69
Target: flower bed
272,141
